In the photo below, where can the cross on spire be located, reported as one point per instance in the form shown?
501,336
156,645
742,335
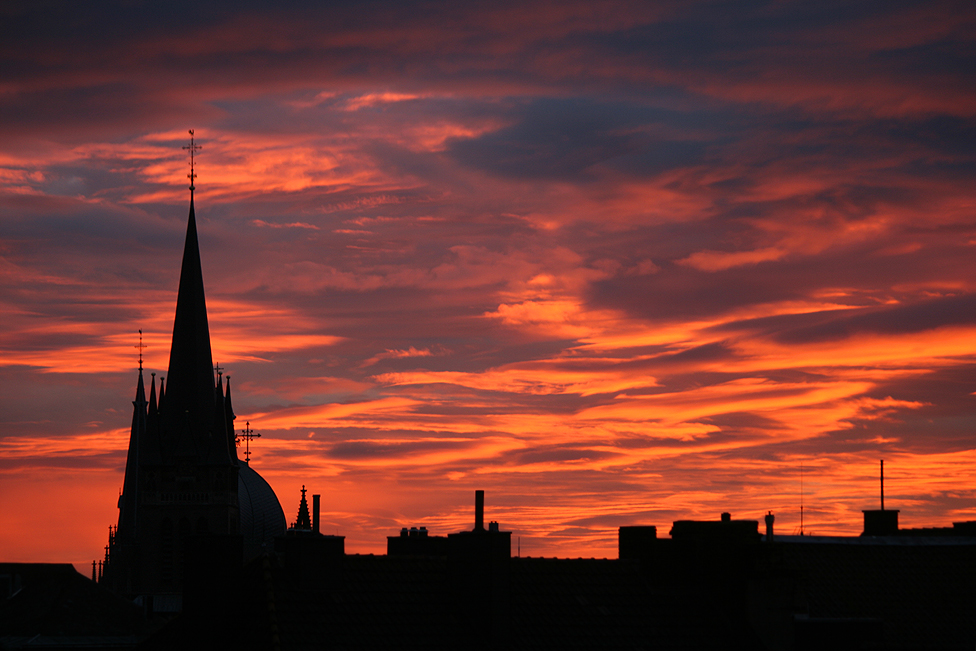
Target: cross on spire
193,149
218,369
247,434
140,346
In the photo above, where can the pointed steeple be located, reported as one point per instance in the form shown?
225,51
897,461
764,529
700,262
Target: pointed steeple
304,521
188,414
149,446
152,418
129,500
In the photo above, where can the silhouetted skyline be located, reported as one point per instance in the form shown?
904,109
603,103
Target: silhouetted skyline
614,264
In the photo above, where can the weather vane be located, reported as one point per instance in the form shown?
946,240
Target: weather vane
140,346
193,149
218,369
247,434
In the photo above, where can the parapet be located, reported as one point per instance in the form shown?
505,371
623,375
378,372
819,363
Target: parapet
632,540
725,530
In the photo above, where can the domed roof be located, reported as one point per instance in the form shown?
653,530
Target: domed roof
261,516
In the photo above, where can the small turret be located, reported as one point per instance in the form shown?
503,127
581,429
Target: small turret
149,449
128,501
152,418
304,521
220,445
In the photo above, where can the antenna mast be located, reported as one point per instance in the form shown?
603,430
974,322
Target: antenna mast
801,498
882,484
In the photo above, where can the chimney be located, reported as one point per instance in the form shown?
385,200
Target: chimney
880,523
479,510
316,500
726,517
769,526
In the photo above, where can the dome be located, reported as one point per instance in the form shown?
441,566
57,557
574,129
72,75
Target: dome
261,516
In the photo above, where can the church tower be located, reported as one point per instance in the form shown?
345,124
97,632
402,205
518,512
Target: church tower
183,478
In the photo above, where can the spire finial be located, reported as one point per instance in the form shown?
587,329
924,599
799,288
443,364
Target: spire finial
218,369
247,434
140,346
193,149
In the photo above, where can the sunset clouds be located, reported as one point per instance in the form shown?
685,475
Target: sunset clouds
613,263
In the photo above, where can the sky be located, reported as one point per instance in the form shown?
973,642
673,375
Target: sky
614,263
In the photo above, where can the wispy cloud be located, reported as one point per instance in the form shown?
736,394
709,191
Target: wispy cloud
264,224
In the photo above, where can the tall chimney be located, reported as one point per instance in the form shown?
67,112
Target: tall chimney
479,510
315,512
769,526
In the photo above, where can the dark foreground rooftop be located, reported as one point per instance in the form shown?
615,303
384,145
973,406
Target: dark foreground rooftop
46,605
440,602
711,585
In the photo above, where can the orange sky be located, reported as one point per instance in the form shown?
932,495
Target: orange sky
611,266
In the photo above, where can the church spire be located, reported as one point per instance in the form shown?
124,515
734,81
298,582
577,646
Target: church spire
128,501
189,407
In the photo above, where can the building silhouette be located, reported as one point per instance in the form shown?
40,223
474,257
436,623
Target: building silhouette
183,478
